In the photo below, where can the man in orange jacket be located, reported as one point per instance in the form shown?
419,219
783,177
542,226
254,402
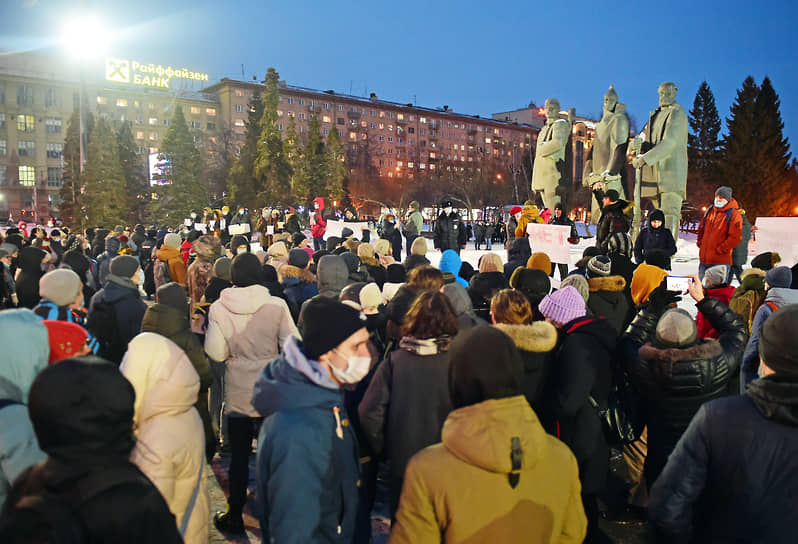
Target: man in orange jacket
720,231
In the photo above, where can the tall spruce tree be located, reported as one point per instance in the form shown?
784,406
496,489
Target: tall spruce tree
314,162
134,167
335,165
702,141
740,165
774,153
270,163
243,183
69,209
292,151
186,191
104,198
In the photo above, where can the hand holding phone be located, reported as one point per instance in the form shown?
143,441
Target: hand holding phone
678,284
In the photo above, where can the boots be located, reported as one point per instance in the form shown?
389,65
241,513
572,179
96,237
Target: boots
230,521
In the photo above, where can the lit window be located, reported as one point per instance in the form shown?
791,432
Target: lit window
353,136
196,110
422,119
240,122
390,127
290,114
121,102
326,119
382,126
422,165
363,124
153,120
136,104
26,148
101,100
27,176
3,149
210,111
487,140
279,113
139,134
400,116
239,92
53,125
410,164
54,151
25,123
153,136
400,163
382,114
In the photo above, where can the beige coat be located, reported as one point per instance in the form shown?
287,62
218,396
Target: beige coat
170,442
246,329
552,140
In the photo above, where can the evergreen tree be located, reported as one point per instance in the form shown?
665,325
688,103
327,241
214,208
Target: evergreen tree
135,169
243,182
186,191
69,209
773,153
270,163
314,162
292,151
336,165
104,198
739,165
702,141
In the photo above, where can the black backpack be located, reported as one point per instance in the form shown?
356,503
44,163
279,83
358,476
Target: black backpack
102,323
53,515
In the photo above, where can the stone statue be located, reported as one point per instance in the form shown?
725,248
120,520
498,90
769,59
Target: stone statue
662,166
606,160
550,154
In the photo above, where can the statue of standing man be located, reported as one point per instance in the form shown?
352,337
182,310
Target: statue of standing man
663,162
550,154
607,158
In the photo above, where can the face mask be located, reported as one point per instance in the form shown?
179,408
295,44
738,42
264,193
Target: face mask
240,212
55,239
719,203
241,250
447,210
356,369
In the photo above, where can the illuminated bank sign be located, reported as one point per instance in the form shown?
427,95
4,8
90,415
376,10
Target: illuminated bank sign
147,75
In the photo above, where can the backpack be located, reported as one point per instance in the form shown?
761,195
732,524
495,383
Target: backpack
102,323
161,274
746,306
52,516
199,318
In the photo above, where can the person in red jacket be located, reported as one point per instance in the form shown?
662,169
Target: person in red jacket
318,225
720,231
715,286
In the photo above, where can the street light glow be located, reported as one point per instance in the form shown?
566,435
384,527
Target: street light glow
85,37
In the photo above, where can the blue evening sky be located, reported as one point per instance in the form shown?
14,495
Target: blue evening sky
478,57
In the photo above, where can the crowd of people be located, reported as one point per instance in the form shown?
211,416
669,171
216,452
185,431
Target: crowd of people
483,398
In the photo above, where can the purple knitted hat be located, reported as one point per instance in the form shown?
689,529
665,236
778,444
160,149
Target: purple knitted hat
563,305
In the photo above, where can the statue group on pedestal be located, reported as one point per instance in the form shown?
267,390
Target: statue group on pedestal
659,156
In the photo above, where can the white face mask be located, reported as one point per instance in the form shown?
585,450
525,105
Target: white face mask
241,250
447,210
356,369
719,203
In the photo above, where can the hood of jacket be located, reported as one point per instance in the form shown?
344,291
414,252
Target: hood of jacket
293,275
425,346
167,253
30,259
25,352
117,288
519,250
332,275
620,206
613,284
531,212
600,329
162,376
450,262
320,201
782,296
112,246
703,349
538,337
481,434
485,283
244,300
293,381
776,398
207,247
730,205
459,298
165,320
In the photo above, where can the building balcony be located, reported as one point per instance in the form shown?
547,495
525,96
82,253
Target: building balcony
314,108
434,126
401,121
472,131
353,114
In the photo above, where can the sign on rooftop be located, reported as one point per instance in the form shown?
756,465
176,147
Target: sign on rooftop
157,76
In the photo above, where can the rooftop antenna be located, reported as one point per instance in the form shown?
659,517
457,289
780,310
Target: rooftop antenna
414,100
350,87
242,72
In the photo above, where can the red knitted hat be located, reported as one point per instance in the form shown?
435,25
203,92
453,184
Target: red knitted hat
66,339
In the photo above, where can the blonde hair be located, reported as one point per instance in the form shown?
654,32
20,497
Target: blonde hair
491,262
419,246
511,307
365,253
382,247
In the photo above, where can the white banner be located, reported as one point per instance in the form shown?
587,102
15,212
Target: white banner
551,240
334,228
776,234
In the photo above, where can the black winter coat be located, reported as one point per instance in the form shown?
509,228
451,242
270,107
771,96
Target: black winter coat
675,382
583,369
30,272
732,476
392,234
536,343
650,239
481,289
128,308
613,219
518,254
608,299
450,233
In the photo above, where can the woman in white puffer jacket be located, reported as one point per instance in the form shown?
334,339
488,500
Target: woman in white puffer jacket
170,446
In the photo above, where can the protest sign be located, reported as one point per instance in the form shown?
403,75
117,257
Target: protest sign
551,240
334,228
776,234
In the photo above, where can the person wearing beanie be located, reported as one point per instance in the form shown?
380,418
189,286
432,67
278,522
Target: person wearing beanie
645,279
512,224
112,246
778,293
489,281
616,216
715,286
357,273
82,411
534,284
62,300
493,442
581,265
28,274
674,370
220,279
417,256
171,447
66,340
412,225
450,231
307,450
655,237
407,401
748,296
607,293
277,255
76,260
578,282
298,239
116,310
169,265
720,231
755,504
582,376
540,261
765,261
247,327
529,214
298,283
207,249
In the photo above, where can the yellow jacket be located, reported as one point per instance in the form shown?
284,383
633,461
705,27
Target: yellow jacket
529,214
459,491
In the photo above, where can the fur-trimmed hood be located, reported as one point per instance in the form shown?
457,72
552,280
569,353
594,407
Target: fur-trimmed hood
752,272
708,348
539,337
606,283
291,271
